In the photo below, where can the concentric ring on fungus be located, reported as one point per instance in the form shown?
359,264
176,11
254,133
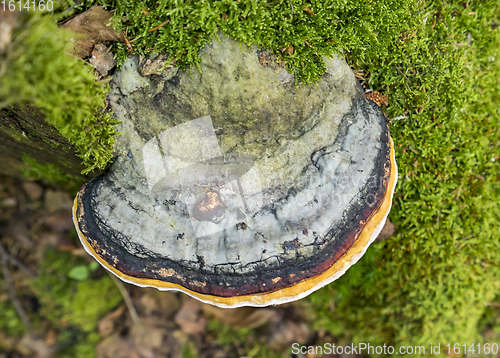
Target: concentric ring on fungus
236,187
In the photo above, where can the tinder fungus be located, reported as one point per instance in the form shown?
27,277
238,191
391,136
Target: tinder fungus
236,186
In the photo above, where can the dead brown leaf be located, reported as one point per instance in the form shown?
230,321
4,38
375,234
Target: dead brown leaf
57,200
18,229
153,65
281,335
147,340
157,303
8,20
245,317
102,59
107,325
8,343
51,338
359,74
151,337
118,347
33,190
35,347
378,98
94,27
189,317
387,230
60,221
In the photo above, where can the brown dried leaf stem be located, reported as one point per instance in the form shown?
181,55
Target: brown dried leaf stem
16,262
127,299
160,25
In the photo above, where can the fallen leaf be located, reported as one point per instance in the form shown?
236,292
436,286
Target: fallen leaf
283,334
156,65
290,327
108,323
35,347
158,303
18,229
51,338
148,336
33,190
60,221
387,230
8,343
102,59
116,346
189,317
57,200
147,340
378,98
9,202
245,317
8,20
94,27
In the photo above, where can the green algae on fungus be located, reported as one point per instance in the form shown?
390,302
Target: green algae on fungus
35,68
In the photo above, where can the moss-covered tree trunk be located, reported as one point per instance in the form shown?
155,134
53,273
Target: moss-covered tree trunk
28,144
52,114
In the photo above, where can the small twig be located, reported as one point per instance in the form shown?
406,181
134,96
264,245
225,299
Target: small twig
72,6
402,73
12,292
15,261
37,224
493,304
127,299
291,4
160,25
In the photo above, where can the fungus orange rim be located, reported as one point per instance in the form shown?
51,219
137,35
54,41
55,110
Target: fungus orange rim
287,294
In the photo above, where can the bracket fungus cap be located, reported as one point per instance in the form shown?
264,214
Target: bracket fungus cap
236,187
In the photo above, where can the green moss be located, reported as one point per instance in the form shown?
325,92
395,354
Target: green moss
52,143
241,340
74,307
432,281
314,28
489,324
79,303
189,351
37,69
10,323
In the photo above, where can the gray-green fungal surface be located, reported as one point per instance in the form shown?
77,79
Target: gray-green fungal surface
234,182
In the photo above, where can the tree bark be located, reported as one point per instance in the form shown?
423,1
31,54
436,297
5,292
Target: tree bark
23,132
